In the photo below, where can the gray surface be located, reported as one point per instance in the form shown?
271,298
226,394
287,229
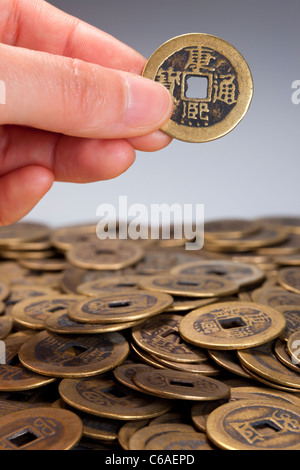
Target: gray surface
252,171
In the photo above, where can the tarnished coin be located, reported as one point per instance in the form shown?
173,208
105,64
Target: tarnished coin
60,323
174,384
192,286
33,312
105,396
110,284
255,425
207,367
232,325
117,308
229,361
82,355
180,441
142,437
232,228
288,260
292,315
275,296
160,336
243,274
284,355
201,410
40,429
219,68
13,376
63,238
289,278
141,355
128,429
259,393
184,303
263,362
46,264
125,373
25,292
293,347
105,254
23,232
72,277
154,262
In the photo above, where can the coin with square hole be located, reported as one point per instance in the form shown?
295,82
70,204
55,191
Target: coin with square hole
255,425
103,395
232,325
118,308
172,384
191,286
160,336
77,356
40,429
111,284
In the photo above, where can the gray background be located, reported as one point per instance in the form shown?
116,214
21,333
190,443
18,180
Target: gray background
251,172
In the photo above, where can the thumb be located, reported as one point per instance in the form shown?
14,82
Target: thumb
77,98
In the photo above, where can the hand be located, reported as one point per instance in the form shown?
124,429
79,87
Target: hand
76,106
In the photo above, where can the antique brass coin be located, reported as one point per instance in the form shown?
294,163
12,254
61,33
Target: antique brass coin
292,315
61,323
24,292
64,238
40,429
22,254
46,264
6,324
192,286
231,228
118,308
282,353
155,262
180,417
293,347
263,362
142,437
22,232
204,368
128,429
229,361
275,296
33,312
72,277
13,376
289,278
255,425
201,410
232,325
106,254
125,373
77,356
105,396
183,303
111,284
289,247
143,356
160,336
179,385
291,224
252,393
243,274
228,85
289,260
180,441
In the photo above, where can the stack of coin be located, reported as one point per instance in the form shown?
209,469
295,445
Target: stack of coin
135,345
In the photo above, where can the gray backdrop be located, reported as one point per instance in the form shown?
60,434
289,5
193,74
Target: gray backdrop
254,170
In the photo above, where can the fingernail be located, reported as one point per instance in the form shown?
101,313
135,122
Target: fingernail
149,104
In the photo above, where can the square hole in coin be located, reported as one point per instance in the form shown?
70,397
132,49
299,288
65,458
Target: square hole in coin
196,87
22,438
118,304
182,383
116,392
265,427
74,350
229,323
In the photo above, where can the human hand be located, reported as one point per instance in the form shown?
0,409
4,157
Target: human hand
76,107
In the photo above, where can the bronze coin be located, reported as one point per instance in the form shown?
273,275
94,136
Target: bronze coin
104,396
33,312
243,274
204,368
192,286
128,429
288,260
142,437
180,385
232,325
228,360
117,308
275,296
262,362
40,429
74,276
63,238
255,425
23,232
46,264
183,441
24,292
108,254
202,57
111,284
292,315
231,228
77,356
160,336
125,373
184,303
289,278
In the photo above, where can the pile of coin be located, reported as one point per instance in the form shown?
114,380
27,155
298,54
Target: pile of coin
144,345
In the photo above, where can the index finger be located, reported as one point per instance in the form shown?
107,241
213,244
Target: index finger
37,25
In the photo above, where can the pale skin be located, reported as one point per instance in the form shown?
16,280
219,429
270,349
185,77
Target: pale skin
76,107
